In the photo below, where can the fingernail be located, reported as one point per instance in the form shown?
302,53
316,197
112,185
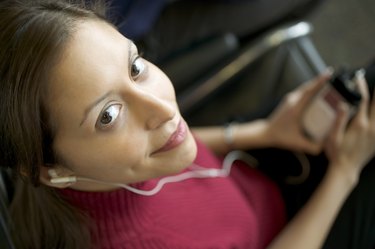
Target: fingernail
329,70
360,73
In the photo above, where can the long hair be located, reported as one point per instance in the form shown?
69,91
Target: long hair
33,36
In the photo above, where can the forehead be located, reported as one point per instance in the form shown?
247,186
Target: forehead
94,58
95,51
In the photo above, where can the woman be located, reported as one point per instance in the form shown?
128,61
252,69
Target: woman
84,116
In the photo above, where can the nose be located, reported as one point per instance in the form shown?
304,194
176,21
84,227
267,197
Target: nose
154,110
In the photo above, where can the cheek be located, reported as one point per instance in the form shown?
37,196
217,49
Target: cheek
102,159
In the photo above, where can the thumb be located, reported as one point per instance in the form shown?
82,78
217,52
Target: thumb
311,147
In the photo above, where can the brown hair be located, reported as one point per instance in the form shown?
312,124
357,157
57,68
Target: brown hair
33,36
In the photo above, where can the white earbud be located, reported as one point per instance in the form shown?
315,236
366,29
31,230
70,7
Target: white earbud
65,179
55,179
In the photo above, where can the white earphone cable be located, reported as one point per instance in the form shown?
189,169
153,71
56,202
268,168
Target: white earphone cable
197,172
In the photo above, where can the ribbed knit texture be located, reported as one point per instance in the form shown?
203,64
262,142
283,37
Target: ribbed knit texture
244,210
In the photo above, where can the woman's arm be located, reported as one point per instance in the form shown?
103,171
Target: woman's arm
235,136
348,148
282,129
310,227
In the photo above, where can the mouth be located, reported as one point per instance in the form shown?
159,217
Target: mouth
177,138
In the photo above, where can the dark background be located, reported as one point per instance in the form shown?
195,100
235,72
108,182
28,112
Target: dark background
344,31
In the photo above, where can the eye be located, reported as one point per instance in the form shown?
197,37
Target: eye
108,116
137,68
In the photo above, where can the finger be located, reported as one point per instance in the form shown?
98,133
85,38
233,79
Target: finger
310,147
338,130
312,87
363,89
315,84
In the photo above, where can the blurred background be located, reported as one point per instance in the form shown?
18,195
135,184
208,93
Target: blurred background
344,31
220,78
343,35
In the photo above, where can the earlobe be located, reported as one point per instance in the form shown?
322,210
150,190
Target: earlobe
52,177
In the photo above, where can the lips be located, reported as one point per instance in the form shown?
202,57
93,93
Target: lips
175,139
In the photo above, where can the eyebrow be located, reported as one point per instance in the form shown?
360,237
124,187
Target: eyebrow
96,102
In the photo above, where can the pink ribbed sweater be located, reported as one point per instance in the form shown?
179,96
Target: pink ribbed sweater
244,210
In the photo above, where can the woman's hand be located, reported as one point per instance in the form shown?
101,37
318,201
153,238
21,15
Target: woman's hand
284,124
350,146
283,129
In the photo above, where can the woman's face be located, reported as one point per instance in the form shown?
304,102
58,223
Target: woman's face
114,114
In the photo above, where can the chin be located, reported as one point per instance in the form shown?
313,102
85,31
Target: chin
190,151
186,156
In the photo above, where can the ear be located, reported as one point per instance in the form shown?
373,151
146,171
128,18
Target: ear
56,176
